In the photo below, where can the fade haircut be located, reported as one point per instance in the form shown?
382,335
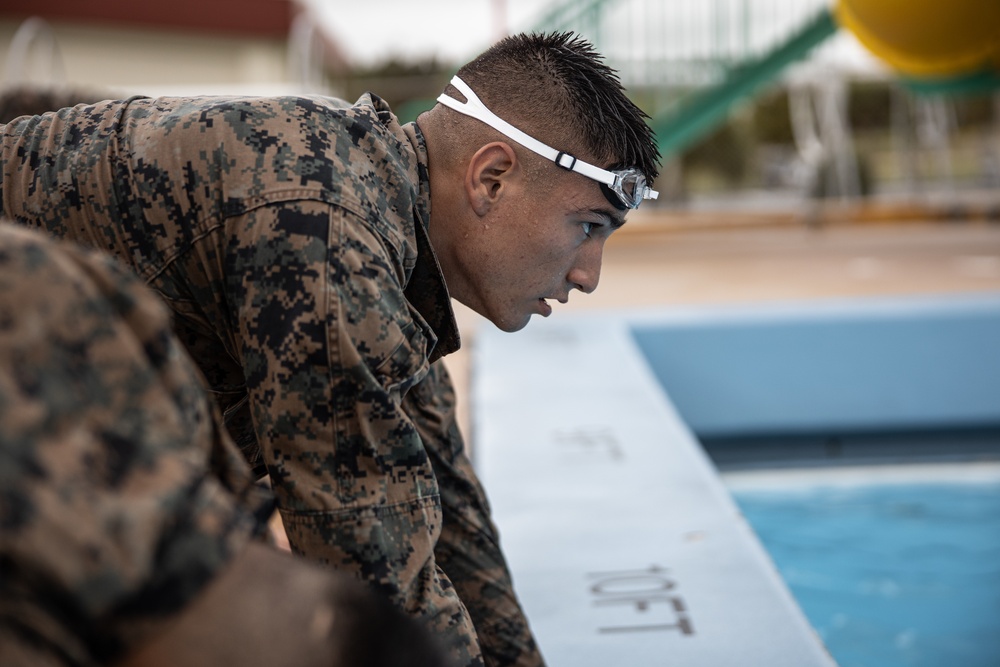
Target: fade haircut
557,88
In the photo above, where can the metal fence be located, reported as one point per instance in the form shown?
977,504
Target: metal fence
681,44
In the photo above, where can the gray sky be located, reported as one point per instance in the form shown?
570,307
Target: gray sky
454,30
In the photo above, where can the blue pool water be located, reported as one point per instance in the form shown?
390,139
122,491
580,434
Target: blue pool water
889,574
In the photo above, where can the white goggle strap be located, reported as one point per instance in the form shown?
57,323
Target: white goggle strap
475,108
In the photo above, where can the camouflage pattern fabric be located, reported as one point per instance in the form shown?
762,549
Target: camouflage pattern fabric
120,494
468,549
288,236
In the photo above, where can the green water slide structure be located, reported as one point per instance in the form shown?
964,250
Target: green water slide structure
702,61
704,110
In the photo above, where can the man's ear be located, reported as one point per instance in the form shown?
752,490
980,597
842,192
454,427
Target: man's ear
489,175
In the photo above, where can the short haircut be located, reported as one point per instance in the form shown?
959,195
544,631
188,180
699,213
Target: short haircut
557,88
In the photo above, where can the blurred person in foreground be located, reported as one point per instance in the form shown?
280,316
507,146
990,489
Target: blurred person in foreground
130,526
308,250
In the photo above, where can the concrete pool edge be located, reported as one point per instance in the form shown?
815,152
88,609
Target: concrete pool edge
607,573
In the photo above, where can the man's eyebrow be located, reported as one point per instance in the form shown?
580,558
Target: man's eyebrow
615,219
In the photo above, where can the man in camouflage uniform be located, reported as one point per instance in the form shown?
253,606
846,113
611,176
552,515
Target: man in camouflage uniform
129,523
307,249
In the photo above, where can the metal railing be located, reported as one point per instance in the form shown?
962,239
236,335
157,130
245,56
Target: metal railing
670,43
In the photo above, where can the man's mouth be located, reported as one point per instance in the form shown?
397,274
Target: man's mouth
544,307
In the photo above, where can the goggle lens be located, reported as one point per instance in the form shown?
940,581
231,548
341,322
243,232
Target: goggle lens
632,185
628,190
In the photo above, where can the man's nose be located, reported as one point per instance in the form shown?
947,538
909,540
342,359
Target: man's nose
586,271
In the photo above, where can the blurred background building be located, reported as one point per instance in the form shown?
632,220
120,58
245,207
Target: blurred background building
182,47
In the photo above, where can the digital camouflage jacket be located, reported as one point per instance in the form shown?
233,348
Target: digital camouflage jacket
289,238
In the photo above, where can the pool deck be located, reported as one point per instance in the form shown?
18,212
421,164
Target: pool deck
624,545
607,573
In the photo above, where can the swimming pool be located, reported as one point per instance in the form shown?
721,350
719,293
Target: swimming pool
849,423
895,566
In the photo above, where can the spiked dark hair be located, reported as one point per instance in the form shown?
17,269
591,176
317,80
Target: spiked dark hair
557,87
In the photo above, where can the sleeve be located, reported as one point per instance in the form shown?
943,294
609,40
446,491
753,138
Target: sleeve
329,347
468,549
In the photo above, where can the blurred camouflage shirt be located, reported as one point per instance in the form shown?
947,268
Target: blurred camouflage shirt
289,238
121,495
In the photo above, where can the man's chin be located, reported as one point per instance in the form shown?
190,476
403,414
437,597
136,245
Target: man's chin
508,320
512,324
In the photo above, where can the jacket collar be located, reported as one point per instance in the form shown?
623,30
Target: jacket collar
426,290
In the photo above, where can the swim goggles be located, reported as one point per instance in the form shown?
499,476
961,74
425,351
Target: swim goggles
624,188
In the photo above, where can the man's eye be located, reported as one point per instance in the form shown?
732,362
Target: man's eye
588,227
